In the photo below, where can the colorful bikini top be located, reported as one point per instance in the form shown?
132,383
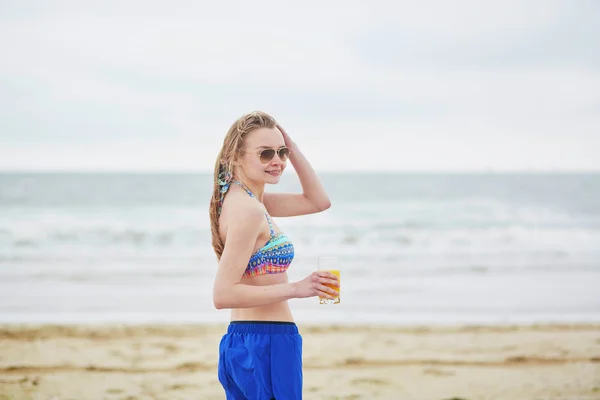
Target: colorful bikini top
275,256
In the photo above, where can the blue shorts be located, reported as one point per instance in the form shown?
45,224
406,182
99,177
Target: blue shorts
261,360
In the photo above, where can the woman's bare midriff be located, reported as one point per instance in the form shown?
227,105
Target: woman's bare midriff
272,312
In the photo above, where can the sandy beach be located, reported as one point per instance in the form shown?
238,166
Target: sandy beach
340,362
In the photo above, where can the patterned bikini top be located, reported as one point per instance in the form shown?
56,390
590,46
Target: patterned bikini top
275,256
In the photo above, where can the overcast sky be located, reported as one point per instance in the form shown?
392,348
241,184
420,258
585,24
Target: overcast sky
360,85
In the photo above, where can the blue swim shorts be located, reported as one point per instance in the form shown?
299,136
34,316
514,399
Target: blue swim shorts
261,360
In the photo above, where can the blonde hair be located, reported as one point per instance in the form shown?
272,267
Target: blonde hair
232,148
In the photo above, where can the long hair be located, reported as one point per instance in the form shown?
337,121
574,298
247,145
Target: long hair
233,146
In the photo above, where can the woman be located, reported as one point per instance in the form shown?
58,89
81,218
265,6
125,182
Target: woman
260,356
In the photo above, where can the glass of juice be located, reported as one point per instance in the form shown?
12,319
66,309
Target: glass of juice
331,264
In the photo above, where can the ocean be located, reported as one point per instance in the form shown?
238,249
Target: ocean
414,248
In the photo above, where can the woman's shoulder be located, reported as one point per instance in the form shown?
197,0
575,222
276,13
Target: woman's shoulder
238,202
241,209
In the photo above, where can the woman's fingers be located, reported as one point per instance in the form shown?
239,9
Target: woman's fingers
326,284
328,290
326,295
327,274
331,281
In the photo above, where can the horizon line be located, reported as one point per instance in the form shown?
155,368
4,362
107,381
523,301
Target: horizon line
326,171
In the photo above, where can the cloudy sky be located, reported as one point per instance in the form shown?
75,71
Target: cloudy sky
377,85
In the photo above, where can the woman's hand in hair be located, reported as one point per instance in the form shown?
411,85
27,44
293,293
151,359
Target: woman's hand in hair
288,140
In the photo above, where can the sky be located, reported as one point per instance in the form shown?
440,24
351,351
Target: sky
444,86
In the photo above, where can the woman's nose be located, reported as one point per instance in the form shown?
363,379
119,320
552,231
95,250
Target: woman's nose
276,160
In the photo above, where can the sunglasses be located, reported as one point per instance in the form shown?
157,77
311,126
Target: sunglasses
267,155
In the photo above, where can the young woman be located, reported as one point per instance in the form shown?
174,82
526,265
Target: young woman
260,356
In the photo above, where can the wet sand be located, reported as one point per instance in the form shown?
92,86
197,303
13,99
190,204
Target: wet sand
362,362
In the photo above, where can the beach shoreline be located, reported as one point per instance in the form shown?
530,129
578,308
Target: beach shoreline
179,361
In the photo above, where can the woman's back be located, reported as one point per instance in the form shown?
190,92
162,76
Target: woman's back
239,200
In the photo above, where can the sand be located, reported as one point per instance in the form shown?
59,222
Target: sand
363,362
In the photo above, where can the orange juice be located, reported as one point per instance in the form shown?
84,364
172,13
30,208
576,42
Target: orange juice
336,300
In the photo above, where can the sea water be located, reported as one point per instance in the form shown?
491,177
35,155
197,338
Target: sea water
414,248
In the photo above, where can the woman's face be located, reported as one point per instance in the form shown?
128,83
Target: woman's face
250,162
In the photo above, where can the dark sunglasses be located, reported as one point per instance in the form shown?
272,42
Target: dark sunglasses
267,155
